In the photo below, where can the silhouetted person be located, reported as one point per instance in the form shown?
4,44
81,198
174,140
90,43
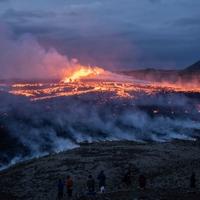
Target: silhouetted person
102,181
142,181
193,180
69,185
91,185
127,178
60,189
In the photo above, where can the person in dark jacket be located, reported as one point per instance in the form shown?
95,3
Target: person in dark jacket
91,185
127,178
60,189
193,180
69,185
142,182
102,181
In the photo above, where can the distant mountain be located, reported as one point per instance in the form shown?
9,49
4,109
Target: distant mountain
193,68
190,73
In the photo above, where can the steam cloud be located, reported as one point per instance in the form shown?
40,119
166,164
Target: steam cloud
37,128
25,58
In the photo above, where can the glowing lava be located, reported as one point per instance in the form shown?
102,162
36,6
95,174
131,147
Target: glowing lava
81,72
81,80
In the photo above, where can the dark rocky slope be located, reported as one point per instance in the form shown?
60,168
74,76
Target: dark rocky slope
168,167
195,68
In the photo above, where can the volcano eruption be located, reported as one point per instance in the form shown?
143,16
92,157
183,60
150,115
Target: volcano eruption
92,104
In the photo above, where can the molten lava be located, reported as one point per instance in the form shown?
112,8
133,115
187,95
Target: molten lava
86,80
81,72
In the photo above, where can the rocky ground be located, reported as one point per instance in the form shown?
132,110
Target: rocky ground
167,166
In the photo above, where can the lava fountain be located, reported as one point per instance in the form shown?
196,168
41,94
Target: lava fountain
81,72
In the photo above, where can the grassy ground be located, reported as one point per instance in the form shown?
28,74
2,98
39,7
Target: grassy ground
167,166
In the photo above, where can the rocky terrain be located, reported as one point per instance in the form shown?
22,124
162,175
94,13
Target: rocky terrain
167,166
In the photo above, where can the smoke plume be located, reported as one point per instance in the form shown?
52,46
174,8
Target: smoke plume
24,58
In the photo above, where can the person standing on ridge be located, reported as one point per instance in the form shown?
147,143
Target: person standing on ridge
60,189
142,182
102,181
193,180
127,178
91,185
69,185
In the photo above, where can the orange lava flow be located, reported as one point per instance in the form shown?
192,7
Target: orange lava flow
118,89
84,80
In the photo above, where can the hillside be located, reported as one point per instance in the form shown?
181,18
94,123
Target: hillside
195,68
189,73
167,166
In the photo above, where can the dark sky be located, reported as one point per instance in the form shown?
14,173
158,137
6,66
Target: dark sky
113,33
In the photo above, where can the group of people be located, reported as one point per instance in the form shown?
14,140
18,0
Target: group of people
90,185
127,179
69,186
